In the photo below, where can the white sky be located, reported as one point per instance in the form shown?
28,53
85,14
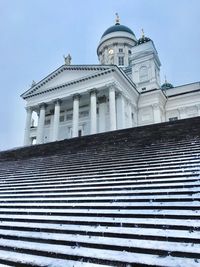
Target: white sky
35,34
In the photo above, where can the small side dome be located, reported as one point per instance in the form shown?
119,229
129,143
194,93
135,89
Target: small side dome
143,39
166,85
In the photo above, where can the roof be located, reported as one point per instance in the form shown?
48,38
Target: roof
128,197
117,28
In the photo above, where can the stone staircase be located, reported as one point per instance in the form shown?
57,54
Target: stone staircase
123,198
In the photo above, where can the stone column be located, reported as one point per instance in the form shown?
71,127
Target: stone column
130,121
27,140
126,63
112,108
115,53
106,55
93,111
121,118
75,120
156,113
102,113
40,127
56,120
135,114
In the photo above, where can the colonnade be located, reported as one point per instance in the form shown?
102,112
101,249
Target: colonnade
113,123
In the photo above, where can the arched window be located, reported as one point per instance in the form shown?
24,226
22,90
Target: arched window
143,74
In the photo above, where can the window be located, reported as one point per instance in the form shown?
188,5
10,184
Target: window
120,50
84,113
121,61
33,141
173,119
144,89
69,117
129,52
79,133
47,121
62,118
143,74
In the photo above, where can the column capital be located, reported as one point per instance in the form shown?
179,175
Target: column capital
119,94
76,96
93,91
111,86
29,109
57,101
42,105
155,105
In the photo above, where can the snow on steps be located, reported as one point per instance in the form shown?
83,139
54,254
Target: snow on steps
124,198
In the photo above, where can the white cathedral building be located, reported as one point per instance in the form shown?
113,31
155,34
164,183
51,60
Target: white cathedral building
123,91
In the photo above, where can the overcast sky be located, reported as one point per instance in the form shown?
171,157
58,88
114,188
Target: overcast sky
35,34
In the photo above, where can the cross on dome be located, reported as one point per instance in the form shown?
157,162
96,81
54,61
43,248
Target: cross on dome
117,20
142,33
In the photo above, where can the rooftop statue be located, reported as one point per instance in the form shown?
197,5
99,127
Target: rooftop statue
68,59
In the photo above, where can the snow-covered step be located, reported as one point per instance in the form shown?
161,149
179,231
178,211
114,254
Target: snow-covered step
99,199
124,213
101,188
116,158
105,205
150,193
99,241
89,165
101,255
146,167
173,230
149,159
112,200
18,259
111,181
109,231
102,179
96,219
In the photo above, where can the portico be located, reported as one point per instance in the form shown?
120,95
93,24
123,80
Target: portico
90,112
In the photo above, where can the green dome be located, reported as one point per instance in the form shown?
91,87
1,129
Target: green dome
166,86
118,28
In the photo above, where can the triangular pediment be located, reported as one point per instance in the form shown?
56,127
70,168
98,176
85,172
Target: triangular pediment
65,75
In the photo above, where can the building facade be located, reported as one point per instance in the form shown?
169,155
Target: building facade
123,91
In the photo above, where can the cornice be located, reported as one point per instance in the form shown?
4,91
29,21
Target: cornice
60,70
79,80
184,93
